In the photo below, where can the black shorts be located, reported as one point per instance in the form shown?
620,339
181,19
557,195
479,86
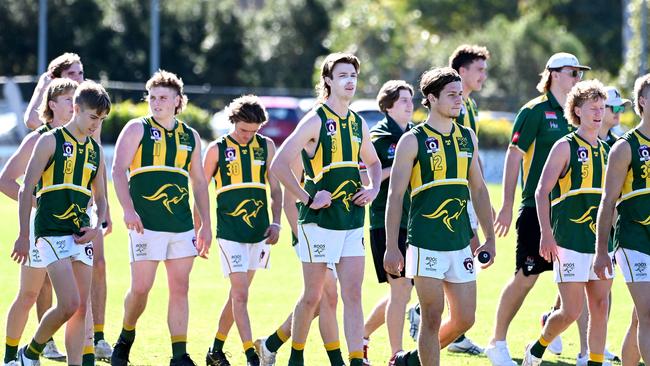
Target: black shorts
378,247
528,237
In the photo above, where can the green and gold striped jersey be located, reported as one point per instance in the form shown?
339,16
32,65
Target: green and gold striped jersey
335,168
63,192
45,127
576,195
240,181
159,176
468,116
438,217
632,229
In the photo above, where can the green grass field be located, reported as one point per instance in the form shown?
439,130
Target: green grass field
274,293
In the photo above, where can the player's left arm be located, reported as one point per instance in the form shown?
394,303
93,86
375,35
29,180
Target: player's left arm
201,196
373,167
272,233
107,223
482,205
99,197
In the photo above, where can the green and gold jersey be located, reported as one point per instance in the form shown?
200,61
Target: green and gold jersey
576,195
632,229
385,135
335,168
438,217
159,177
611,138
538,125
240,181
468,116
63,192
45,127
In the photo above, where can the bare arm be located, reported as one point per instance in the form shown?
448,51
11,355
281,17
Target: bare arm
289,200
617,166
556,164
97,136
273,231
125,148
16,166
373,168
510,175
210,161
201,198
405,154
31,118
99,198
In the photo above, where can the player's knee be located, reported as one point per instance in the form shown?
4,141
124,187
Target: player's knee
239,296
599,307
465,322
69,306
140,290
430,317
26,299
569,314
351,296
311,299
329,299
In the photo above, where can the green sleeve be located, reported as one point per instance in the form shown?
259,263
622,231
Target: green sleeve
525,129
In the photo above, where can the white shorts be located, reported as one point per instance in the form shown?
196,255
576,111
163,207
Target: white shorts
34,258
319,245
161,245
54,248
455,266
330,266
634,265
572,266
85,254
473,219
243,257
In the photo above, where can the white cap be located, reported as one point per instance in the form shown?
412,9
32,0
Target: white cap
614,97
563,59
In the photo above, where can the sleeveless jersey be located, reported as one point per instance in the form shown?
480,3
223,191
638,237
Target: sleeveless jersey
335,168
576,195
240,181
632,229
438,217
468,116
45,127
63,192
159,177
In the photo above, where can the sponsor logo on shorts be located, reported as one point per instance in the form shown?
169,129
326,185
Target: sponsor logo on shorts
530,263
89,251
568,268
449,211
61,247
319,250
140,249
468,263
236,260
262,254
430,263
36,255
640,269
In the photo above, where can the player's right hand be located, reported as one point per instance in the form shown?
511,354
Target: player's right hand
322,199
133,222
602,263
21,250
393,261
204,241
548,247
503,221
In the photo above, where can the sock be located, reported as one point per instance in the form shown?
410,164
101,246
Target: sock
539,347
128,333
595,359
460,338
412,358
594,363
34,350
99,332
179,346
276,340
88,358
296,357
356,358
334,353
249,350
219,340
11,349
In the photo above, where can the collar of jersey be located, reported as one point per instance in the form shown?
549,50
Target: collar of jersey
65,130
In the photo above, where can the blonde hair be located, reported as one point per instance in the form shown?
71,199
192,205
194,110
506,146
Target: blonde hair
544,84
327,67
169,80
582,92
640,90
56,88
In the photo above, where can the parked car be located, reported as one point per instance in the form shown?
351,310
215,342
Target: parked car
284,115
369,110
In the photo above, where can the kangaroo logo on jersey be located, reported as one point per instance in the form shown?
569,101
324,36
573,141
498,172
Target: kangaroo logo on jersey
169,194
588,217
583,154
644,153
431,143
450,210
247,209
68,149
644,222
76,214
345,195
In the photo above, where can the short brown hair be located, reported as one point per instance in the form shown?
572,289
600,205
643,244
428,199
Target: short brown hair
247,108
91,95
327,67
465,54
434,80
641,90
62,63
389,93
56,88
169,80
582,92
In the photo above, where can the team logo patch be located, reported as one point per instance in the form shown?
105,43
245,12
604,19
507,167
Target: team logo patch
168,194
236,260
431,143
140,249
550,115
258,156
247,209
430,263
568,268
463,143
589,217
89,251
583,154
345,191
530,263
640,269
92,156
36,255
68,149
644,153
468,263
391,150
230,154
330,126
449,211
184,138
319,250
156,135
75,213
